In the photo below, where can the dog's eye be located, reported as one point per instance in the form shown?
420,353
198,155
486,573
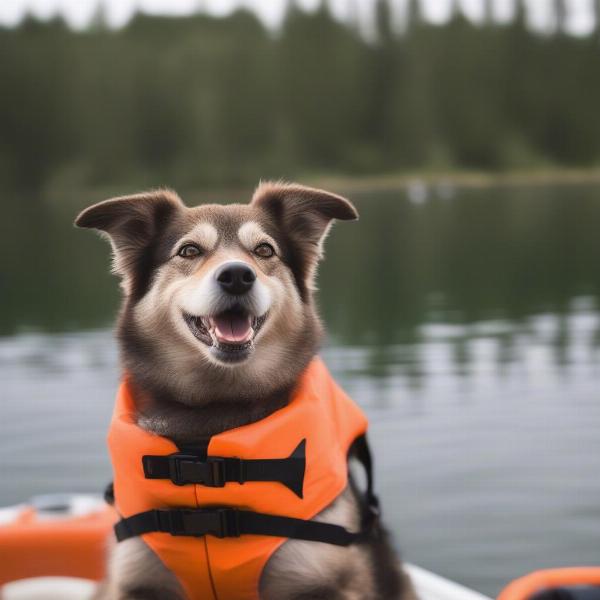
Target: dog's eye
189,251
264,250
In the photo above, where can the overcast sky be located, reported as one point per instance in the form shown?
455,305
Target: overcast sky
78,12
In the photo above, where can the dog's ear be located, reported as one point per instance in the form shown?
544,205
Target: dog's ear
304,216
131,223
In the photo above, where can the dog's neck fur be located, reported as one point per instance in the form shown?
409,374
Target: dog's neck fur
215,404
188,425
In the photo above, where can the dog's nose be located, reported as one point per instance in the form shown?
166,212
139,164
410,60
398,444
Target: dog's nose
236,277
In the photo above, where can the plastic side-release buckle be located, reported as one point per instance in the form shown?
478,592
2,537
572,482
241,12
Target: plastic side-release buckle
220,522
184,469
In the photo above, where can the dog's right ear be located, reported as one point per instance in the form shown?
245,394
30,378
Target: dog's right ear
130,223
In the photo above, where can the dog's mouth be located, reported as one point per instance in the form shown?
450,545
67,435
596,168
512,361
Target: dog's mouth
230,334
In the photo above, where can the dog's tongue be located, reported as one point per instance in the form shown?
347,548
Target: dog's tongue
232,327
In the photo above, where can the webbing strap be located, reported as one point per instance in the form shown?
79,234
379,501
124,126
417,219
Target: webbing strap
215,471
229,522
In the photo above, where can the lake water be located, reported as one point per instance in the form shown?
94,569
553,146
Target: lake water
465,322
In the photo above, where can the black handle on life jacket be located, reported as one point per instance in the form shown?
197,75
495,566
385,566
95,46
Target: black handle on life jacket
216,471
362,452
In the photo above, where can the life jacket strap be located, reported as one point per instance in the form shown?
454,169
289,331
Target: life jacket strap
230,522
215,471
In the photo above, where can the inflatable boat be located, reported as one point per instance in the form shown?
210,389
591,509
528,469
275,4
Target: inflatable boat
54,548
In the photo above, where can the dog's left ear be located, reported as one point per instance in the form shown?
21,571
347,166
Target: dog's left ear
304,215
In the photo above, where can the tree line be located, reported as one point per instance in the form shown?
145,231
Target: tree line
199,101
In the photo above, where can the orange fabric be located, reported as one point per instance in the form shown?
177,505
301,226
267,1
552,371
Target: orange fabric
70,547
525,587
230,568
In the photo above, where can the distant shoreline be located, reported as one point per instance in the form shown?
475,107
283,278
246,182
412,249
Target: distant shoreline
416,183
462,179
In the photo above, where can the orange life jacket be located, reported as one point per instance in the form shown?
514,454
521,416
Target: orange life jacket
233,503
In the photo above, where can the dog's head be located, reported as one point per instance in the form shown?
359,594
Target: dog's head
217,289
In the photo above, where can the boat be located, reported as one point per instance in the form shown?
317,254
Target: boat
30,534
31,569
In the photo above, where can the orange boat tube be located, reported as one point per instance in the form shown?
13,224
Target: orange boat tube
528,586
34,545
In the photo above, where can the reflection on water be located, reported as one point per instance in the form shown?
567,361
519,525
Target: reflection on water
466,324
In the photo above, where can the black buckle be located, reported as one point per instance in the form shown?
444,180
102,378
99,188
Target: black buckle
216,476
230,522
211,472
176,462
220,522
171,521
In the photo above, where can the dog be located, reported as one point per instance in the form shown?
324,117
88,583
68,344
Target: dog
218,323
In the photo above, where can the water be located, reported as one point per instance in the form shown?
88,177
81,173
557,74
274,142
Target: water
466,323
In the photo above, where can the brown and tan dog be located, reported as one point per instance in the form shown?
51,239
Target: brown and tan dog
217,324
